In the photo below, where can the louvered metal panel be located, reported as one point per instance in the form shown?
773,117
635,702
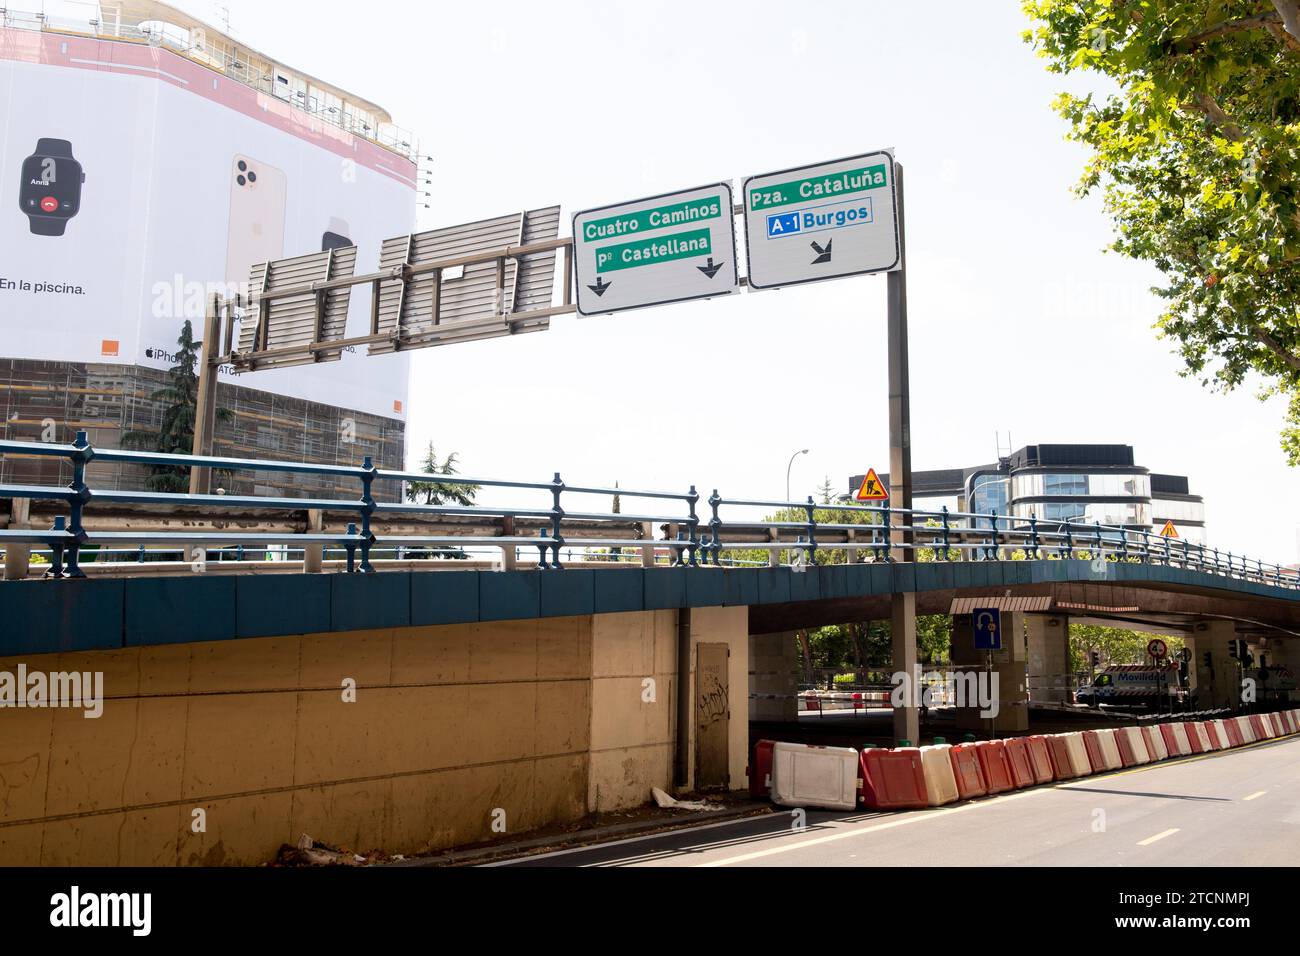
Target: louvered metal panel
468,308
291,321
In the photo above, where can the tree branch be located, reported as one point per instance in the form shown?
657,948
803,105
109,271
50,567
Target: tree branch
1289,11
1225,28
1277,348
1206,105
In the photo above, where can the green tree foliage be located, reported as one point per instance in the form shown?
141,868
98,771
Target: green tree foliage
440,492
1196,151
1116,645
176,432
867,644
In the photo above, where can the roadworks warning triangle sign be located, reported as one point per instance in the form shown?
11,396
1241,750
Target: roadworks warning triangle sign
1169,531
873,489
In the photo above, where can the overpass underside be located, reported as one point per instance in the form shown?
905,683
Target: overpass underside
415,711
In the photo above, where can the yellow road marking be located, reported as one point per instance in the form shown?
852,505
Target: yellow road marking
1159,836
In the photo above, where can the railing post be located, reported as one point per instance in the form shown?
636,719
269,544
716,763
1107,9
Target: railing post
368,508
811,508
1123,544
351,547
56,548
715,529
889,533
557,515
541,549
946,532
313,557
1033,537
80,495
773,554
18,557
1146,547
1101,551
1069,541
992,553
693,527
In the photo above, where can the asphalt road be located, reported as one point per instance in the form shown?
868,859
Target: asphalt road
1238,808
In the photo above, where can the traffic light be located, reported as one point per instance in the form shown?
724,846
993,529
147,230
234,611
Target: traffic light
1207,660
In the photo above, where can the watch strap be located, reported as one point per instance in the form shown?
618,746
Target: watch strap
45,226
58,148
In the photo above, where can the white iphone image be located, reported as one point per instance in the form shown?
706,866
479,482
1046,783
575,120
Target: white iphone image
258,199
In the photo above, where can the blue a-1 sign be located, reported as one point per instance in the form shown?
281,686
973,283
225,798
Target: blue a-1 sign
988,628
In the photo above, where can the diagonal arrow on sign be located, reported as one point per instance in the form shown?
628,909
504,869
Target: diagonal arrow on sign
711,270
823,255
601,286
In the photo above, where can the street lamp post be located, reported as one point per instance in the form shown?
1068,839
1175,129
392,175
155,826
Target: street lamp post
787,471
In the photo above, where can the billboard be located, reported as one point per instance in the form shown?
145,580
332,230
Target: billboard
135,182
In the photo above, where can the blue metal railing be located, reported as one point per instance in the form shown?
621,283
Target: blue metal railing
860,532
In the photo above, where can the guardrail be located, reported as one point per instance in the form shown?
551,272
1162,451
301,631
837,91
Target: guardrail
854,533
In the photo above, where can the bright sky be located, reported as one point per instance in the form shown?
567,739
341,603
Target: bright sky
1019,321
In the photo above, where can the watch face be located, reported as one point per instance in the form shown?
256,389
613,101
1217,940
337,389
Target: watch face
51,187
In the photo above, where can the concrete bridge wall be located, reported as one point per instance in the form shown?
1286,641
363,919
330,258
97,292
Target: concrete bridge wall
541,719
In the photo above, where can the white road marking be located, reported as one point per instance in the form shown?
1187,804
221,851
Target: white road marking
914,817
1159,836
1256,795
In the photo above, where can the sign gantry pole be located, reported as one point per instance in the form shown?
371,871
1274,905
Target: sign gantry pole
902,610
205,412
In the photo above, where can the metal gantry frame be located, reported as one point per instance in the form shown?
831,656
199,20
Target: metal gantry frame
219,350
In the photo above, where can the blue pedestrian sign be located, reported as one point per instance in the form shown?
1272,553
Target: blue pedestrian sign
988,628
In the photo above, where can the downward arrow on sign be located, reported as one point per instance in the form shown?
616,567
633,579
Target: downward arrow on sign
600,287
711,270
823,255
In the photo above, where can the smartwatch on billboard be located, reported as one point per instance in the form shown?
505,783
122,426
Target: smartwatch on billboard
50,194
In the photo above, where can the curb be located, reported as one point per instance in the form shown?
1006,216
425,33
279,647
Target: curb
568,840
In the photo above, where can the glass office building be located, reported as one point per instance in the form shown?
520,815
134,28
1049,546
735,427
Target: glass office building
1082,483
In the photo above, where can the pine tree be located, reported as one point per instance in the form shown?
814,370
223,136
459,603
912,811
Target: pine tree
176,432
439,492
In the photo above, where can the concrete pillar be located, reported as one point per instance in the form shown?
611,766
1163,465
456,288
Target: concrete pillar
1009,665
1048,654
902,630
18,556
774,676
1219,685
314,554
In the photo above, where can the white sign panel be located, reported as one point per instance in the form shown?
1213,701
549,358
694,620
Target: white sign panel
820,222
668,248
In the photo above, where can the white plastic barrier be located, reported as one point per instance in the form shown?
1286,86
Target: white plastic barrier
1180,735
1076,754
1225,742
1109,749
940,783
1137,743
1157,740
1201,736
806,776
1247,732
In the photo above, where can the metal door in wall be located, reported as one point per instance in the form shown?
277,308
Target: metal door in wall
712,716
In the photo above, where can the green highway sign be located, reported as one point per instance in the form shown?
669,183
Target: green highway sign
654,251
824,221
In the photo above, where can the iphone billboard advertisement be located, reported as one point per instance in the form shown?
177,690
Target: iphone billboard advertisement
135,183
